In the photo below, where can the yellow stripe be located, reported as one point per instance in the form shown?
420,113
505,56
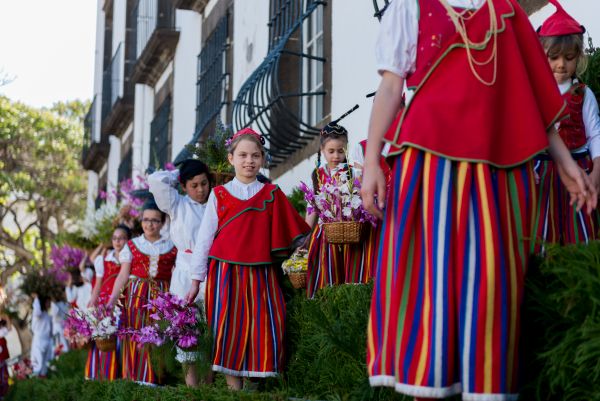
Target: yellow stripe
427,304
490,269
460,186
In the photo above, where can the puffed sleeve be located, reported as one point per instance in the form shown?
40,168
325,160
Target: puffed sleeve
204,240
125,256
162,186
396,47
99,266
591,121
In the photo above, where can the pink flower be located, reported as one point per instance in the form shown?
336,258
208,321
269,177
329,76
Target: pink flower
187,341
169,166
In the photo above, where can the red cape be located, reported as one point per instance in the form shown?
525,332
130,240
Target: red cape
258,230
454,115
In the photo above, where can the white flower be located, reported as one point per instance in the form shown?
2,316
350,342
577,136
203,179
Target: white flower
355,202
328,214
347,212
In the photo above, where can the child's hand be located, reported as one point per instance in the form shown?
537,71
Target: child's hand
190,297
578,183
373,188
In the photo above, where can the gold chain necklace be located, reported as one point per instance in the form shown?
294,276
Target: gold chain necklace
458,19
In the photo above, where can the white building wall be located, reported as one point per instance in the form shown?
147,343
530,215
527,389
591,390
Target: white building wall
250,39
98,61
92,191
143,112
114,161
184,79
118,36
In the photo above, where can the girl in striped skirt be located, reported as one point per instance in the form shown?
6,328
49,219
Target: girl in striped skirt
449,279
246,227
106,365
557,221
146,265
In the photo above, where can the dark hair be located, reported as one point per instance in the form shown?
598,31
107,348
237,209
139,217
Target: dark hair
43,301
76,278
3,323
331,131
150,204
563,44
127,230
191,168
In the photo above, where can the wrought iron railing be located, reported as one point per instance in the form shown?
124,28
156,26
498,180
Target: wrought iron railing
152,15
272,96
125,168
213,77
91,133
159,135
106,93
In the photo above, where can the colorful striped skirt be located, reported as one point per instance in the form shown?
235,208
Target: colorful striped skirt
136,364
449,279
325,263
103,365
359,259
557,222
246,312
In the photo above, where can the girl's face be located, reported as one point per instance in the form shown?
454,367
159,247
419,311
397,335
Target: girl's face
247,159
563,66
198,188
119,239
151,223
334,151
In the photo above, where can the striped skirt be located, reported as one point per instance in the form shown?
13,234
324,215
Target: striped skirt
359,259
557,222
246,312
102,365
449,279
325,263
136,364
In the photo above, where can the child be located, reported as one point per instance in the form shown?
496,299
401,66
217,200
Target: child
105,365
326,264
41,343
58,311
146,265
79,287
557,221
246,227
449,279
4,356
186,214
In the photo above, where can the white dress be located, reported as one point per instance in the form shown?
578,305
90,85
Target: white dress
41,344
58,313
185,219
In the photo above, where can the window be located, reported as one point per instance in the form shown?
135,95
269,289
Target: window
159,136
313,67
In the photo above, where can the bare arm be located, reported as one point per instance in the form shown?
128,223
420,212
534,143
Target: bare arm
385,108
576,181
120,282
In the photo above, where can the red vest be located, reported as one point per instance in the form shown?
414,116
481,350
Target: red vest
572,129
140,264
255,231
111,271
454,115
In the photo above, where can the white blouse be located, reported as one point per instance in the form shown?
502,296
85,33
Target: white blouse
156,248
210,223
185,214
591,118
396,47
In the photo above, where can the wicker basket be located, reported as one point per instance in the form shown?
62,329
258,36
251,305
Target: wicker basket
106,344
298,279
344,232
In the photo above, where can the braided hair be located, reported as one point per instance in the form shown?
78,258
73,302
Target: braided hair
331,131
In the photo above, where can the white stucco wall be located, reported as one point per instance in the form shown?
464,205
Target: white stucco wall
98,60
143,112
92,191
184,79
251,39
114,161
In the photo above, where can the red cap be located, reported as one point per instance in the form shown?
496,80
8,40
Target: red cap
560,23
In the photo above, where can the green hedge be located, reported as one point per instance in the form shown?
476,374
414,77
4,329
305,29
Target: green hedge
326,346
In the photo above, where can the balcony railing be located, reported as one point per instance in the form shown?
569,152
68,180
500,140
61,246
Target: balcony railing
159,135
156,39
